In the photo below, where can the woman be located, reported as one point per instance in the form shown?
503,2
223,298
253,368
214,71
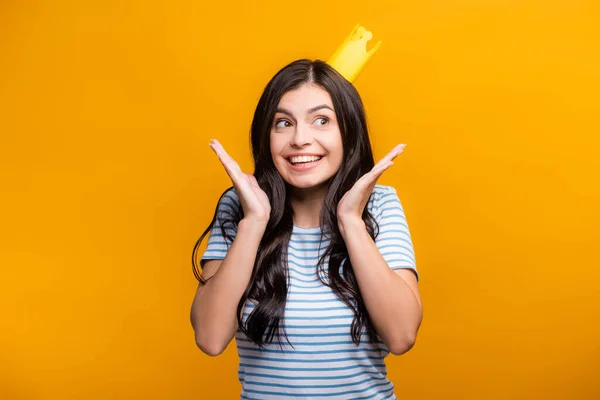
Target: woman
310,264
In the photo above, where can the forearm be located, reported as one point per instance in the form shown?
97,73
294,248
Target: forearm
214,308
393,307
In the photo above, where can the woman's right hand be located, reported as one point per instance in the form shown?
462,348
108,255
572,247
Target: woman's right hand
254,200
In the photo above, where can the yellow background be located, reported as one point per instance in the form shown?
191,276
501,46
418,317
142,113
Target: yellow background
106,109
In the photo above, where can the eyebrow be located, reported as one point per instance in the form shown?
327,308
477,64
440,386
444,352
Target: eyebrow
310,111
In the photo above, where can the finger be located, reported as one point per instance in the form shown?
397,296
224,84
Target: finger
395,152
231,166
377,173
221,153
241,183
370,179
382,165
392,154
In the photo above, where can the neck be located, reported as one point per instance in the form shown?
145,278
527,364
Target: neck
307,204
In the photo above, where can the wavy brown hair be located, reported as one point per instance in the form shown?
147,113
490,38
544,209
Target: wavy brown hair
268,286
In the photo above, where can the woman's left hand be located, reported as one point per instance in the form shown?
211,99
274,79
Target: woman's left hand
352,204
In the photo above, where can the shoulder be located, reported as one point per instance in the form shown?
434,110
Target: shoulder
381,191
230,198
382,196
229,205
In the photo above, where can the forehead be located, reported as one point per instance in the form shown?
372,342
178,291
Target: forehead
305,97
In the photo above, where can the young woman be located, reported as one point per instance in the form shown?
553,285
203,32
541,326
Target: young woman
310,263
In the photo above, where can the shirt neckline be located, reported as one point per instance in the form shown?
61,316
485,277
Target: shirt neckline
306,230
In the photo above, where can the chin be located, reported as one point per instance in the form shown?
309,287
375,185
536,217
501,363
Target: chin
308,184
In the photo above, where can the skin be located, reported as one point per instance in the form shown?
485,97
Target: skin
391,296
298,127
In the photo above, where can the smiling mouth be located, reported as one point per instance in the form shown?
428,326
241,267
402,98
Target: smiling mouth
304,164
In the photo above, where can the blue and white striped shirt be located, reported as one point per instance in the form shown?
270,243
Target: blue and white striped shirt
324,363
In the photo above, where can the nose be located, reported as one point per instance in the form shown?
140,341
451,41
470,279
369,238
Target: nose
301,137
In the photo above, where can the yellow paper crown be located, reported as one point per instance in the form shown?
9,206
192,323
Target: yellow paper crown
351,57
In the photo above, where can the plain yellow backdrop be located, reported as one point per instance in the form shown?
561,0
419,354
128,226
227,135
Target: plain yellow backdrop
106,110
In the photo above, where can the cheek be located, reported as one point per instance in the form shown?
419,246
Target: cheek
339,160
273,147
276,149
337,150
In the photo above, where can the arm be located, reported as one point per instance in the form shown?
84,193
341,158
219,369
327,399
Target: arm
213,313
391,296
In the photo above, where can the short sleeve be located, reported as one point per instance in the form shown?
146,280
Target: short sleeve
227,215
394,240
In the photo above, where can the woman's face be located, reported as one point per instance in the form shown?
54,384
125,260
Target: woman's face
305,125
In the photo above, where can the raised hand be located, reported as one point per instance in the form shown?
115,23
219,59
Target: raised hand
353,202
254,200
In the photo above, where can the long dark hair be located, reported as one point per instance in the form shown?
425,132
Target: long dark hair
268,286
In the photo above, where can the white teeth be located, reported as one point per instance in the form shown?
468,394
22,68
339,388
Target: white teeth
298,159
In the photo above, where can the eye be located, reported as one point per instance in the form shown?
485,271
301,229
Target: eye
286,123
324,120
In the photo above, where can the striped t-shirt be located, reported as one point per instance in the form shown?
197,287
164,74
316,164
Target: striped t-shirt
324,362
